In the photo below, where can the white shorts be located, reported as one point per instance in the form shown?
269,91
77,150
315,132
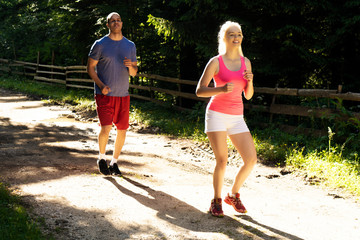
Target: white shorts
221,122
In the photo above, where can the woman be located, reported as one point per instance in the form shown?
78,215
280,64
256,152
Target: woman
224,114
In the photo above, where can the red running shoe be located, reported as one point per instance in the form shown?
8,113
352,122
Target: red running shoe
216,208
236,203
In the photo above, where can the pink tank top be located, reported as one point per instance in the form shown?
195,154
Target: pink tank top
229,103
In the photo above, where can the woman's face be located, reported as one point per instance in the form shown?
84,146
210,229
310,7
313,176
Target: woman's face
233,36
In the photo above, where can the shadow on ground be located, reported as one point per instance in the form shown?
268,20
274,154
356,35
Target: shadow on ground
181,214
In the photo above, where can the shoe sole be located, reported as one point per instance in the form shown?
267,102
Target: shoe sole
113,172
230,203
218,216
116,174
103,168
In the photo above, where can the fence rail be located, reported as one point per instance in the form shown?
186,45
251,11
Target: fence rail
148,87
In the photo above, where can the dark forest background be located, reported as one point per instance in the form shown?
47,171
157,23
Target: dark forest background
297,43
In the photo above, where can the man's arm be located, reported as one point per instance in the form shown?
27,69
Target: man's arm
91,64
132,66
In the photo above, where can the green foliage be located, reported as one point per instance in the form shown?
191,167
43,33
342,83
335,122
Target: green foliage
14,221
290,43
163,27
53,93
273,145
329,166
180,124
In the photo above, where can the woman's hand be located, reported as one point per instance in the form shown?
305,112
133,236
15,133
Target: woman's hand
249,76
228,87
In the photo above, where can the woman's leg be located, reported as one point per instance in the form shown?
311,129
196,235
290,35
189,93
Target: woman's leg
220,149
244,144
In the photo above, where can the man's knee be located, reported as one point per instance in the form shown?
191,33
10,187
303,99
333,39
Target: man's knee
105,129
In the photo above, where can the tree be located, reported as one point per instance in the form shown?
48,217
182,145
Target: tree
290,43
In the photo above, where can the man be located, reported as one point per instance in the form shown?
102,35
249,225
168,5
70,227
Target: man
111,60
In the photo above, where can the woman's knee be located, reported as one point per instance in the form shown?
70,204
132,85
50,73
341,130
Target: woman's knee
221,163
251,160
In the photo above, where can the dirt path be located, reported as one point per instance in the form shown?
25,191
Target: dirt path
165,192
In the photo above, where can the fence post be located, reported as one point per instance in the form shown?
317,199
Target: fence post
52,63
273,102
339,89
66,78
38,61
339,101
37,64
131,90
179,98
151,86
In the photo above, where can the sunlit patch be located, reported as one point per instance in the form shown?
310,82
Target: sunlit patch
49,169
168,216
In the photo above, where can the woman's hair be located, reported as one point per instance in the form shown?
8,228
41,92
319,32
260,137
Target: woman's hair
221,36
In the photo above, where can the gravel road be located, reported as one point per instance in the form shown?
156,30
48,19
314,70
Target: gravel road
49,158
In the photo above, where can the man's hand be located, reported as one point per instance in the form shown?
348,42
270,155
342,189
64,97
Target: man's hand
105,90
132,66
127,62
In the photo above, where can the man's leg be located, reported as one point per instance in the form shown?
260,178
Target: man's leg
103,138
119,143
121,121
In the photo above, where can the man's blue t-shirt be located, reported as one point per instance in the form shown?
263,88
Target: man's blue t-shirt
110,68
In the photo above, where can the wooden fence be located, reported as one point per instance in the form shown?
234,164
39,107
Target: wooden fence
70,77
156,88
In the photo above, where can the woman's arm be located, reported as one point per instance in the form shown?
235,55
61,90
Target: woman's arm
203,89
249,89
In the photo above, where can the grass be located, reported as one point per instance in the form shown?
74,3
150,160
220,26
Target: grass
332,163
332,169
329,165
337,165
14,220
81,99
179,124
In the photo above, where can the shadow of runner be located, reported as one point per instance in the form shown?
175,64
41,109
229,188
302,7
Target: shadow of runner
182,214
281,233
35,152
68,222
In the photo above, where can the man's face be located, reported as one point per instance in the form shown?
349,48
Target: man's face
115,24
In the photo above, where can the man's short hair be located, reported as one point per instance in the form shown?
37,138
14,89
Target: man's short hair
110,15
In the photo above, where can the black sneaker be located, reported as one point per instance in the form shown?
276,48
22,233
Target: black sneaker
103,168
114,170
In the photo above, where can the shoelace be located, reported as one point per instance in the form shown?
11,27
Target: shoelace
238,201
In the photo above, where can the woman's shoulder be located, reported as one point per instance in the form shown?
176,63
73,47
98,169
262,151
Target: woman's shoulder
246,59
247,63
214,60
214,64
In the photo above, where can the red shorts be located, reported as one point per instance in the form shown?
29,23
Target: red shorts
113,110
